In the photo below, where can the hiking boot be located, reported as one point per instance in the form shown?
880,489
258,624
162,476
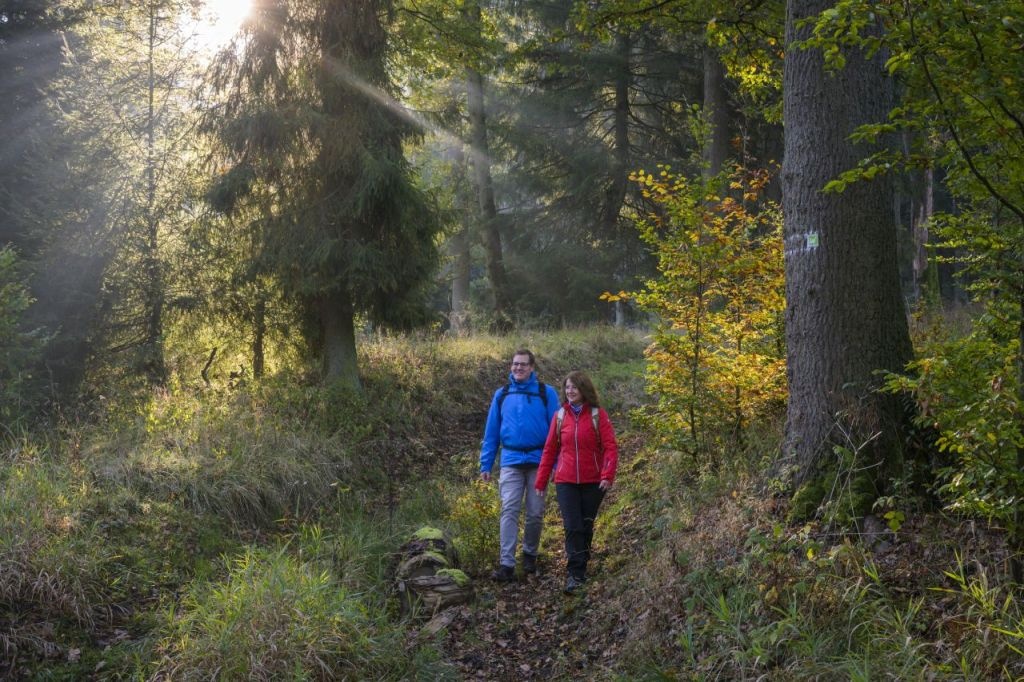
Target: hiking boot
572,584
529,563
504,574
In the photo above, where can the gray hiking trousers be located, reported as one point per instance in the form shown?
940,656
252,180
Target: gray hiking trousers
515,485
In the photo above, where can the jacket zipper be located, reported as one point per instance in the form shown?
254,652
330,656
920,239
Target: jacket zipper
576,442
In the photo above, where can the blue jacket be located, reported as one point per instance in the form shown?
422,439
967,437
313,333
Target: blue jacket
522,427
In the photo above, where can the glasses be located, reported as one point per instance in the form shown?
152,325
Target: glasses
520,364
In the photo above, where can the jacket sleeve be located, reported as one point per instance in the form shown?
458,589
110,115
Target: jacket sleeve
492,437
609,446
548,457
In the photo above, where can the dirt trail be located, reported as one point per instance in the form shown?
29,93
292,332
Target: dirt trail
529,629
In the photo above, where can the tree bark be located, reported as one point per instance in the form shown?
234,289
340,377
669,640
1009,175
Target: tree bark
845,318
459,249
619,180
619,172
921,237
481,159
716,108
338,339
154,344
259,323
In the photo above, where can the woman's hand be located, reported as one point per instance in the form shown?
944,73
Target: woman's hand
605,485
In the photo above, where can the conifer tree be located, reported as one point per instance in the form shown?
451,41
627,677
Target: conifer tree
313,132
124,98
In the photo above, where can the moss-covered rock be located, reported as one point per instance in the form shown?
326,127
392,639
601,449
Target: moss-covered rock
460,578
428,533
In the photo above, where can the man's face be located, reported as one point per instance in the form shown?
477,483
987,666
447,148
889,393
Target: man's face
521,367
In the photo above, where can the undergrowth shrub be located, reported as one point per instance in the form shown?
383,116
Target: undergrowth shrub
798,603
966,390
276,616
716,363
790,611
474,520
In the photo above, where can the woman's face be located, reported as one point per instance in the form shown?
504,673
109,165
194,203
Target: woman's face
572,394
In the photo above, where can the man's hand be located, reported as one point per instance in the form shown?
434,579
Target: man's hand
485,476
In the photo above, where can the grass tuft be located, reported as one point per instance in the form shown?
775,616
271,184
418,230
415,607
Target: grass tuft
276,616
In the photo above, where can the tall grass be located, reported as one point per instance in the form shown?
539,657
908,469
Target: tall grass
727,590
277,616
41,524
250,532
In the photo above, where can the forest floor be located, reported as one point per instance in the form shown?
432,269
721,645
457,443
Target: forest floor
639,600
529,629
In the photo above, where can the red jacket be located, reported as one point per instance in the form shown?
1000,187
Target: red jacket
582,457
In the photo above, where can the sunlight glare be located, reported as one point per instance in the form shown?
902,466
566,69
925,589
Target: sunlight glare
217,23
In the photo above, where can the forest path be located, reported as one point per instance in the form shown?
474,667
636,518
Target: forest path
530,629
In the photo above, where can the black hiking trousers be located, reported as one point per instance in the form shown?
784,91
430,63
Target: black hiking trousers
578,503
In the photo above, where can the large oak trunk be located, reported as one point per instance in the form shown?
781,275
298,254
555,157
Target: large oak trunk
845,317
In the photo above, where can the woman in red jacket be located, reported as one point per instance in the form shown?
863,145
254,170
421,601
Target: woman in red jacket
582,442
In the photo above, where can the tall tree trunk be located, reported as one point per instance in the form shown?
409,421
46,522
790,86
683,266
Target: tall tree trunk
481,158
845,317
922,287
259,336
619,172
154,350
458,318
716,108
338,339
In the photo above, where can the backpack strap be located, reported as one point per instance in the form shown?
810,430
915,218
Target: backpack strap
507,388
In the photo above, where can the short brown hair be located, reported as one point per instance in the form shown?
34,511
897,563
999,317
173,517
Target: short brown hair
581,381
524,351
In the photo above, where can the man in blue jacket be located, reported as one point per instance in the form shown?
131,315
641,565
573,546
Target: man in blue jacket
518,421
